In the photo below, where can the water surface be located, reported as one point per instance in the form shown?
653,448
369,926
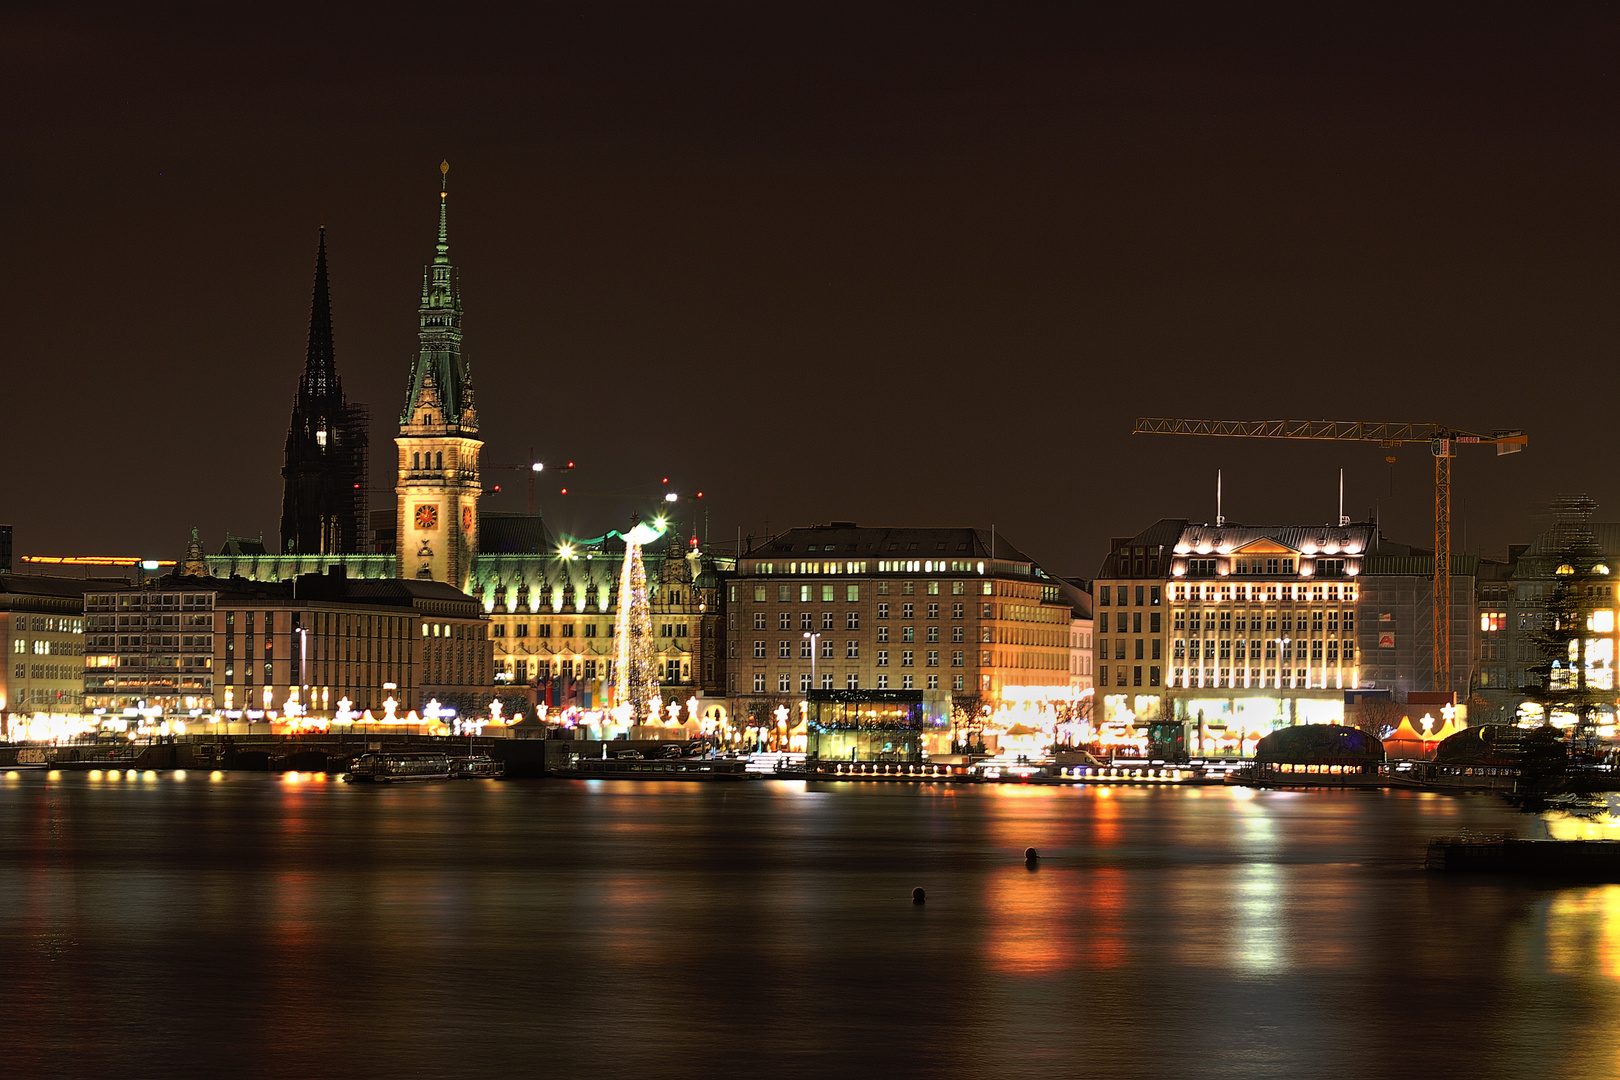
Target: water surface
255,926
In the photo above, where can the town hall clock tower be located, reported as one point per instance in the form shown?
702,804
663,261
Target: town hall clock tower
438,489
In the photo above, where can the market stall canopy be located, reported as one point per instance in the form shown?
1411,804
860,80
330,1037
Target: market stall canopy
1405,742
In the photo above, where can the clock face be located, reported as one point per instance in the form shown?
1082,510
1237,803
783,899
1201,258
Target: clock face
466,519
427,516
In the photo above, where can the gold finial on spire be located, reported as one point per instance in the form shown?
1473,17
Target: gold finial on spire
444,177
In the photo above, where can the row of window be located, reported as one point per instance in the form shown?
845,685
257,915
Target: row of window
1255,678
1330,649
44,647
49,624
590,630
1146,595
146,601
852,651
826,593
852,681
1320,621
49,671
1243,592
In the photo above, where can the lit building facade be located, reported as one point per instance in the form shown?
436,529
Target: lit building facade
1238,629
42,633
191,646
150,649
1231,629
1512,621
963,618
552,615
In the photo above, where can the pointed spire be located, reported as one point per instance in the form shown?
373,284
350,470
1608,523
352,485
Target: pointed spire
320,365
440,333
441,255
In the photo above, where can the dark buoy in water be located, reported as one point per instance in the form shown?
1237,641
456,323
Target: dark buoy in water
918,896
1031,855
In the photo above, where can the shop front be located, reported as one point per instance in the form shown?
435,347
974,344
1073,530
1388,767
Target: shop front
866,725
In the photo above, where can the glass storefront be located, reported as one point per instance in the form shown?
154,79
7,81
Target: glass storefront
865,725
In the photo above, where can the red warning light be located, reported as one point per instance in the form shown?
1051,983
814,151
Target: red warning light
700,494
666,479
565,491
497,487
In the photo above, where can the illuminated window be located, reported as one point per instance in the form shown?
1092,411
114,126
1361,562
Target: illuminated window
1492,621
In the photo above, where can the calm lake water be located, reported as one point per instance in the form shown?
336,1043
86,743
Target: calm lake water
249,925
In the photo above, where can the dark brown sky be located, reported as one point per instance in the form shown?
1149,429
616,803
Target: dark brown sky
895,263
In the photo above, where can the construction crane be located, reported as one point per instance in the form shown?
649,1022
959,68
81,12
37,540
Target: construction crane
532,467
1442,441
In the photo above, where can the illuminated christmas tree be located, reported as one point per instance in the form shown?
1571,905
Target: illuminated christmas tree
636,673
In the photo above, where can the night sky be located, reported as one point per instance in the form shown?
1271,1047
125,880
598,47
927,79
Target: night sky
908,264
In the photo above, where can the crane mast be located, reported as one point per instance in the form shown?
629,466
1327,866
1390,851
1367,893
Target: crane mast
1442,441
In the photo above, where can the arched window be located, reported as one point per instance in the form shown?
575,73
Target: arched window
416,460
440,465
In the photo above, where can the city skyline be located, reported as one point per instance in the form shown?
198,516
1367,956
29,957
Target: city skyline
1297,219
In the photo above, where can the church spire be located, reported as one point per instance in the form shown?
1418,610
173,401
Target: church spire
320,364
324,495
439,331
441,256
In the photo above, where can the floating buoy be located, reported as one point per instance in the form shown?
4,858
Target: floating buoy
918,896
1031,855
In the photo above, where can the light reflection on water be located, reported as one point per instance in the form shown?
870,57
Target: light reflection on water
254,927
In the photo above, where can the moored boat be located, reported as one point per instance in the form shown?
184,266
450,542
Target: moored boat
477,767
402,768
627,768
